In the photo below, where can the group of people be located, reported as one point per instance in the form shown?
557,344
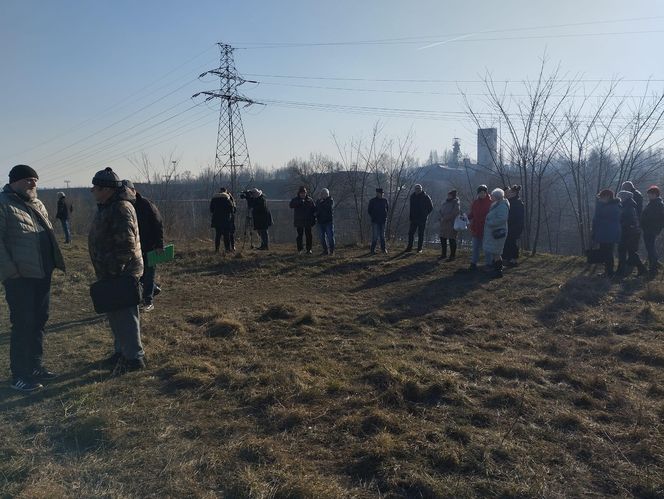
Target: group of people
126,227
621,220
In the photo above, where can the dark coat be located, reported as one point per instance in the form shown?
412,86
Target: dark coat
304,211
222,208
150,224
420,207
261,213
64,210
638,199
652,218
325,211
630,229
606,222
378,210
517,218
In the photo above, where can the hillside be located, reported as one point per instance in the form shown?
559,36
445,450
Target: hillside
277,375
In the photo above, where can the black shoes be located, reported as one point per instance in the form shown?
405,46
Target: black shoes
25,385
43,374
113,359
128,365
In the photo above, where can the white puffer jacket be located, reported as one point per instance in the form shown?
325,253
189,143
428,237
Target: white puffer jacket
20,250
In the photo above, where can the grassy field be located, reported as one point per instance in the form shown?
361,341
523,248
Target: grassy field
277,375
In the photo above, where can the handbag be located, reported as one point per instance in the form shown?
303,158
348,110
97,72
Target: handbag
115,293
461,223
499,233
595,256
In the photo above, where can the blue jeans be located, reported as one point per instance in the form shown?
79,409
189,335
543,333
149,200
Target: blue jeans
377,233
126,328
326,232
649,242
28,301
147,279
477,247
66,228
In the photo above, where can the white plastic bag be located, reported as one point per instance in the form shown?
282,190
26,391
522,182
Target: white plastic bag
461,222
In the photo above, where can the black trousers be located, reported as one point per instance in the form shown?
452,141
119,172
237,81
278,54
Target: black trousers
265,238
229,239
607,253
511,248
453,247
28,301
419,227
304,231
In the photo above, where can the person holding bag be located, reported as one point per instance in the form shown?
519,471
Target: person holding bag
448,212
115,251
495,230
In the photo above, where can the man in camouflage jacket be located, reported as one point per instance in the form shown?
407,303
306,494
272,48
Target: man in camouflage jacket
115,250
29,253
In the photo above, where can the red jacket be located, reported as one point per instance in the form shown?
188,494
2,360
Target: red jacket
477,215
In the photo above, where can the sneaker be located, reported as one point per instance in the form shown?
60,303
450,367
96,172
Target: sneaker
148,307
43,374
157,290
384,252
419,252
25,386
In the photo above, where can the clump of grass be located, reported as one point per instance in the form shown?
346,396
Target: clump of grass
85,433
278,312
654,292
306,319
567,422
225,328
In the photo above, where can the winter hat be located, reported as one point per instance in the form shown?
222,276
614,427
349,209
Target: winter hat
19,172
61,195
379,190
624,195
628,186
325,193
222,189
482,188
129,184
255,192
452,193
497,194
106,178
418,187
654,189
302,189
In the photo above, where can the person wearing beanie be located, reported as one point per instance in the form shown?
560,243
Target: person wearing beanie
421,207
379,208
515,225
652,223
304,218
495,230
477,217
63,213
630,234
638,197
325,219
262,217
29,254
222,209
448,212
151,232
115,250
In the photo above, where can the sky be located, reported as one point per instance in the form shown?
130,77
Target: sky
87,84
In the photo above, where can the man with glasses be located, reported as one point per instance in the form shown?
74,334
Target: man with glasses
29,253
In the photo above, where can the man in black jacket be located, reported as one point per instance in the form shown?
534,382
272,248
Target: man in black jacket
151,230
378,211
222,209
325,219
630,233
638,197
63,214
304,217
420,208
652,222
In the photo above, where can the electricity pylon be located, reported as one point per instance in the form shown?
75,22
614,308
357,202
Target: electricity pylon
232,155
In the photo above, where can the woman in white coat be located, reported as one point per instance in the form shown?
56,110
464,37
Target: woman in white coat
495,230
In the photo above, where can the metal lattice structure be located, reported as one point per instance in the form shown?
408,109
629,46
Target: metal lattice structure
232,154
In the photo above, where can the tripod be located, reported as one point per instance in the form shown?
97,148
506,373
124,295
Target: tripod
248,227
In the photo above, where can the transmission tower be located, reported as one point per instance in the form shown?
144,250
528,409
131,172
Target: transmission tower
232,155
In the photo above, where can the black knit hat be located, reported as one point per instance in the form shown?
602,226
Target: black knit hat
129,184
482,188
106,178
19,172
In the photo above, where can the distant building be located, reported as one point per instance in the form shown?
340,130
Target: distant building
487,147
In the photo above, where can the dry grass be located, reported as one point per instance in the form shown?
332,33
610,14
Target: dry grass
273,375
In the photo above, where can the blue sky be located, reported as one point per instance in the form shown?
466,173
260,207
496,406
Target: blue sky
77,74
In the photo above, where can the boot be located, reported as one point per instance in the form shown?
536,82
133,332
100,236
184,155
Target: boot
497,270
642,269
443,244
453,248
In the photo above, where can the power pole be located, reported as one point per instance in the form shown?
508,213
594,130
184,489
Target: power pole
232,155
67,182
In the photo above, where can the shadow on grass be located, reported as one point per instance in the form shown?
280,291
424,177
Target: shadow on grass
411,271
60,326
60,387
577,293
428,297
